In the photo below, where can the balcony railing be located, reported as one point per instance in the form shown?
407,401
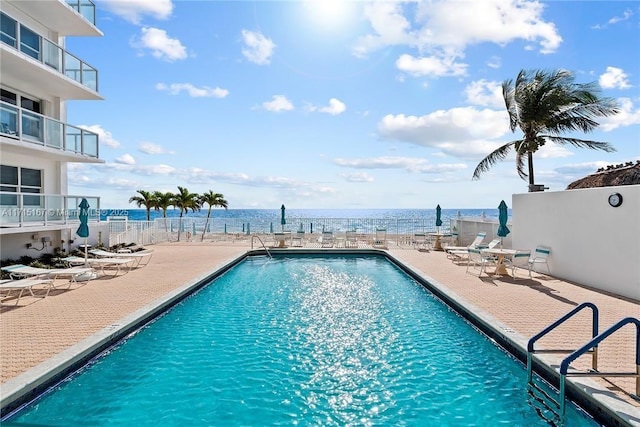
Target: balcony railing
85,8
49,53
35,128
33,209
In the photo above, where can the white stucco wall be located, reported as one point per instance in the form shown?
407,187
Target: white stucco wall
592,243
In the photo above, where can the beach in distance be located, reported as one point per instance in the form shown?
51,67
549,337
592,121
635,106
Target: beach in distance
275,214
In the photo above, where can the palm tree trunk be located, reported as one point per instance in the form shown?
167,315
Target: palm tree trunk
179,225
530,164
206,224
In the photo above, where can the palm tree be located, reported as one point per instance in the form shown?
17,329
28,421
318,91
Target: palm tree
145,199
212,199
184,200
163,201
544,105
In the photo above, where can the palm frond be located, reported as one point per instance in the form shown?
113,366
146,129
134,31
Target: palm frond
497,155
581,143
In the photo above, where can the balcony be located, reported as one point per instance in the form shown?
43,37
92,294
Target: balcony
67,18
58,138
19,210
32,63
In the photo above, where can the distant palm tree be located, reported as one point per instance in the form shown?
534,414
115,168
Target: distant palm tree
145,199
184,200
163,201
212,199
544,105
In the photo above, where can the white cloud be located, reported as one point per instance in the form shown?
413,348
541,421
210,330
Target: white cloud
151,148
357,177
154,170
410,164
485,93
126,159
134,10
614,20
445,29
431,66
161,45
627,116
494,62
104,137
334,108
614,78
277,104
193,91
257,48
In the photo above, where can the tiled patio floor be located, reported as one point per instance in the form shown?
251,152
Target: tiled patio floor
39,328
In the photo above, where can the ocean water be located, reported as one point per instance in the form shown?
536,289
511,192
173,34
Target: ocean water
275,214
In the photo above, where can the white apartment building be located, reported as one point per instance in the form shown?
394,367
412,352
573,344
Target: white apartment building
37,77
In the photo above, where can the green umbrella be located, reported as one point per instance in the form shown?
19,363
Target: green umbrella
83,230
282,220
502,218
438,214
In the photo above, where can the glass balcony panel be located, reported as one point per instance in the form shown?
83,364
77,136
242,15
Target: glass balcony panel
8,119
86,8
32,126
54,132
52,55
90,143
17,209
55,208
89,77
73,139
72,67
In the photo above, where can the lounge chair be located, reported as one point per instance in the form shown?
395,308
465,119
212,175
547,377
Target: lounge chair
102,263
327,240
540,256
21,285
456,252
74,274
138,257
380,239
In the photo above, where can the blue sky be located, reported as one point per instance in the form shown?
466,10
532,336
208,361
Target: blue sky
341,104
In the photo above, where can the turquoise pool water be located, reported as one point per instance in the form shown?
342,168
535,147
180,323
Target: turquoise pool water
336,341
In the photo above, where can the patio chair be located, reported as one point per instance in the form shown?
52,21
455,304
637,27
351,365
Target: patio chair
21,285
540,256
74,274
477,261
519,260
327,240
351,239
380,238
420,241
298,239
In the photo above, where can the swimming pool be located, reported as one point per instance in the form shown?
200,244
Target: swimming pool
344,340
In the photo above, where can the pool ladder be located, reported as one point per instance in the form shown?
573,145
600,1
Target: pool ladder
262,243
557,406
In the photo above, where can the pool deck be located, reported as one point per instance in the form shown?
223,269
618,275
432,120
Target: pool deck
38,333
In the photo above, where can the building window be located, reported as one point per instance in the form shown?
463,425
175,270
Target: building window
29,42
20,180
8,30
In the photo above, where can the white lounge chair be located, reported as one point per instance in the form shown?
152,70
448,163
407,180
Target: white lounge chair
380,238
21,285
102,263
456,252
138,257
420,241
74,274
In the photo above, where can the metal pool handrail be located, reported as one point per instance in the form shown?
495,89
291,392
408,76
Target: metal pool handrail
263,245
545,331
564,366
